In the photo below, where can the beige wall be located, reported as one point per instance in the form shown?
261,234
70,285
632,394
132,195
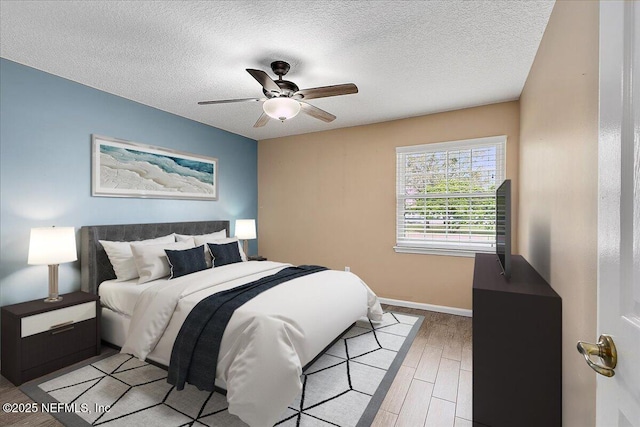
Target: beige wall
558,185
328,198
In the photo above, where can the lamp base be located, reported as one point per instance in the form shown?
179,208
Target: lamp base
53,284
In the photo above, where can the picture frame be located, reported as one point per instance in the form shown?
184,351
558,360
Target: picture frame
121,168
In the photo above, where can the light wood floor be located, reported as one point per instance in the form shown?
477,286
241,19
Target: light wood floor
434,385
431,389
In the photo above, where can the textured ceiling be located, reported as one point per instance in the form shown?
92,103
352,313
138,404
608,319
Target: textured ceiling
408,58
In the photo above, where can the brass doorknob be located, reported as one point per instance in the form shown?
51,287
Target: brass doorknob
605,349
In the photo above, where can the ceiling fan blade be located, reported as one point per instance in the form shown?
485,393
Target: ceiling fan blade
316,112
227,101
262,120
326,91
264,79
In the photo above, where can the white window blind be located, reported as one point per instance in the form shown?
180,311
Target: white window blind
446,195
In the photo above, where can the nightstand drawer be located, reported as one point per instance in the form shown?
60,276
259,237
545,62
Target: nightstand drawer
55,319
60,343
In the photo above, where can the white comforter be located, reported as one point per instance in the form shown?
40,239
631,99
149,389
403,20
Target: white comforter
267,341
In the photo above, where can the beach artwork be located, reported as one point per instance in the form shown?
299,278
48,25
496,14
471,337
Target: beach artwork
127,169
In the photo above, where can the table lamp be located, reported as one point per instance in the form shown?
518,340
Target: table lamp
52,246
246,229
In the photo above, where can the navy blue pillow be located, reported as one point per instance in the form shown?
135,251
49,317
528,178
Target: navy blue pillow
224,253
186,261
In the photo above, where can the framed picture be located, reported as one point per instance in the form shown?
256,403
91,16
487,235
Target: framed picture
128,169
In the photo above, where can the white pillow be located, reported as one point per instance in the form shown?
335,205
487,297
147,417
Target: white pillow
121,258
202,241
151,260
222,234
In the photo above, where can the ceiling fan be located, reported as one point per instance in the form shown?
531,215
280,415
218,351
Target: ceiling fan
284,100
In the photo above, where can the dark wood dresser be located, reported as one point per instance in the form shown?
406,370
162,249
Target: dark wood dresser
517,346
39,337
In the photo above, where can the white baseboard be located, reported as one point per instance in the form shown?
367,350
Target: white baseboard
429,307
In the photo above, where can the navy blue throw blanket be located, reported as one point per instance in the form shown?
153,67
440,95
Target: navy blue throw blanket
194,357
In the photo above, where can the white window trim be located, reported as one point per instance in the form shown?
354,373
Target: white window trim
441,248
462,143
466,253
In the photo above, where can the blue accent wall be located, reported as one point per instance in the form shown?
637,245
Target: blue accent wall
46,124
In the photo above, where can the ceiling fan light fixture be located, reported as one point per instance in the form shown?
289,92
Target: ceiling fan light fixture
281,108
284,100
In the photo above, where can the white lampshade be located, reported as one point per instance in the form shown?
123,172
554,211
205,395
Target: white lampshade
281,108
52,245
246,229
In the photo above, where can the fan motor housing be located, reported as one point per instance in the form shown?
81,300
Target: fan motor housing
287,89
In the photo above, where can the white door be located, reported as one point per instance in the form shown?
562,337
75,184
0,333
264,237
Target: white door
618,397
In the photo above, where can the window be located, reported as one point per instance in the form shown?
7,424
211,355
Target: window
446,196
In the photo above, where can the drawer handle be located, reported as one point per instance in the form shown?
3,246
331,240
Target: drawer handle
59,331
60,325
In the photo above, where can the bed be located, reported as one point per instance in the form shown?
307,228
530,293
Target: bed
267,341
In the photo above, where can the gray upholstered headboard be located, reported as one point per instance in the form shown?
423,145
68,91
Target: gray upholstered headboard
95,265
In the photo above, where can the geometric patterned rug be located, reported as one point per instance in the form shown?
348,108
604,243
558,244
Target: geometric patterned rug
343,387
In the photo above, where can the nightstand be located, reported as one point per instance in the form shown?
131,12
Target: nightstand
39,337
256,258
